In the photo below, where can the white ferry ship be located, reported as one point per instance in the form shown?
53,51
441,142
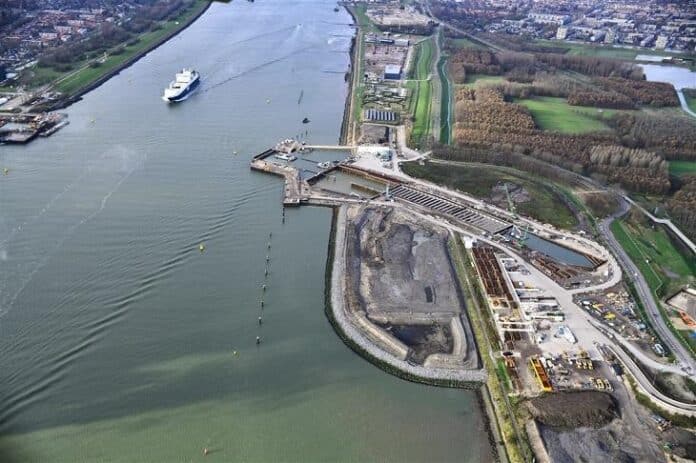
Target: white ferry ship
185,82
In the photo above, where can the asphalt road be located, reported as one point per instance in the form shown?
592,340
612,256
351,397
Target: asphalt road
682,355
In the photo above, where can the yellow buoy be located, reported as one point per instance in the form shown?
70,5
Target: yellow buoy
5,171
201,247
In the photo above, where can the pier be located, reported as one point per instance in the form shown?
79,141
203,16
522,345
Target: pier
350,148
296,190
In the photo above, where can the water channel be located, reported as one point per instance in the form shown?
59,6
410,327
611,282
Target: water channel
121,341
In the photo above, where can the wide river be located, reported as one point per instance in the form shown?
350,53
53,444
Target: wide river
121,341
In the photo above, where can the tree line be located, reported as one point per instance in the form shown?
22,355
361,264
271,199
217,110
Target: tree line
484,120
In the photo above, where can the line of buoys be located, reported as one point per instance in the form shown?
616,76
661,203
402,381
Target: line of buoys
264,286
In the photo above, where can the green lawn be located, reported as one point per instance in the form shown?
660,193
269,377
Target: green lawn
664,267
88,74
421,91
478,180
423,59
682,167
473,79
419,107
691,102
465,43
557,115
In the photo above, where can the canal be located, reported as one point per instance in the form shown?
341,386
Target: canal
122,341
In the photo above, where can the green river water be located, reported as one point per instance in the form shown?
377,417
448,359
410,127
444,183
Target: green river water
118,336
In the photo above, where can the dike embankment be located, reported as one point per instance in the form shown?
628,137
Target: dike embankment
348,105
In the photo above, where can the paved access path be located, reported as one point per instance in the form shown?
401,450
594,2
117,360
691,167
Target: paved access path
681,353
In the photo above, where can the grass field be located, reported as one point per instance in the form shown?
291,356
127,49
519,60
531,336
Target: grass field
76,80
664,267
556,115
691,102
473,79
478,180
423,60
465,43
421,92
682,167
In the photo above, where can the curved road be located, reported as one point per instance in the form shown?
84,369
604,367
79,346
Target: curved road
682,355
682,101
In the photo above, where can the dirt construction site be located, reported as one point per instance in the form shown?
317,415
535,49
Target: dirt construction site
401,284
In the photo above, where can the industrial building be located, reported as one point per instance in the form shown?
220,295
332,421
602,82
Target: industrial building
392,72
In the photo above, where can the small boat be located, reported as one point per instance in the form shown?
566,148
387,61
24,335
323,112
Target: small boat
305,121
324,165
285,157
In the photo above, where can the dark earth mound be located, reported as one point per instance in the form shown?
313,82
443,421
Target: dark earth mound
574,409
